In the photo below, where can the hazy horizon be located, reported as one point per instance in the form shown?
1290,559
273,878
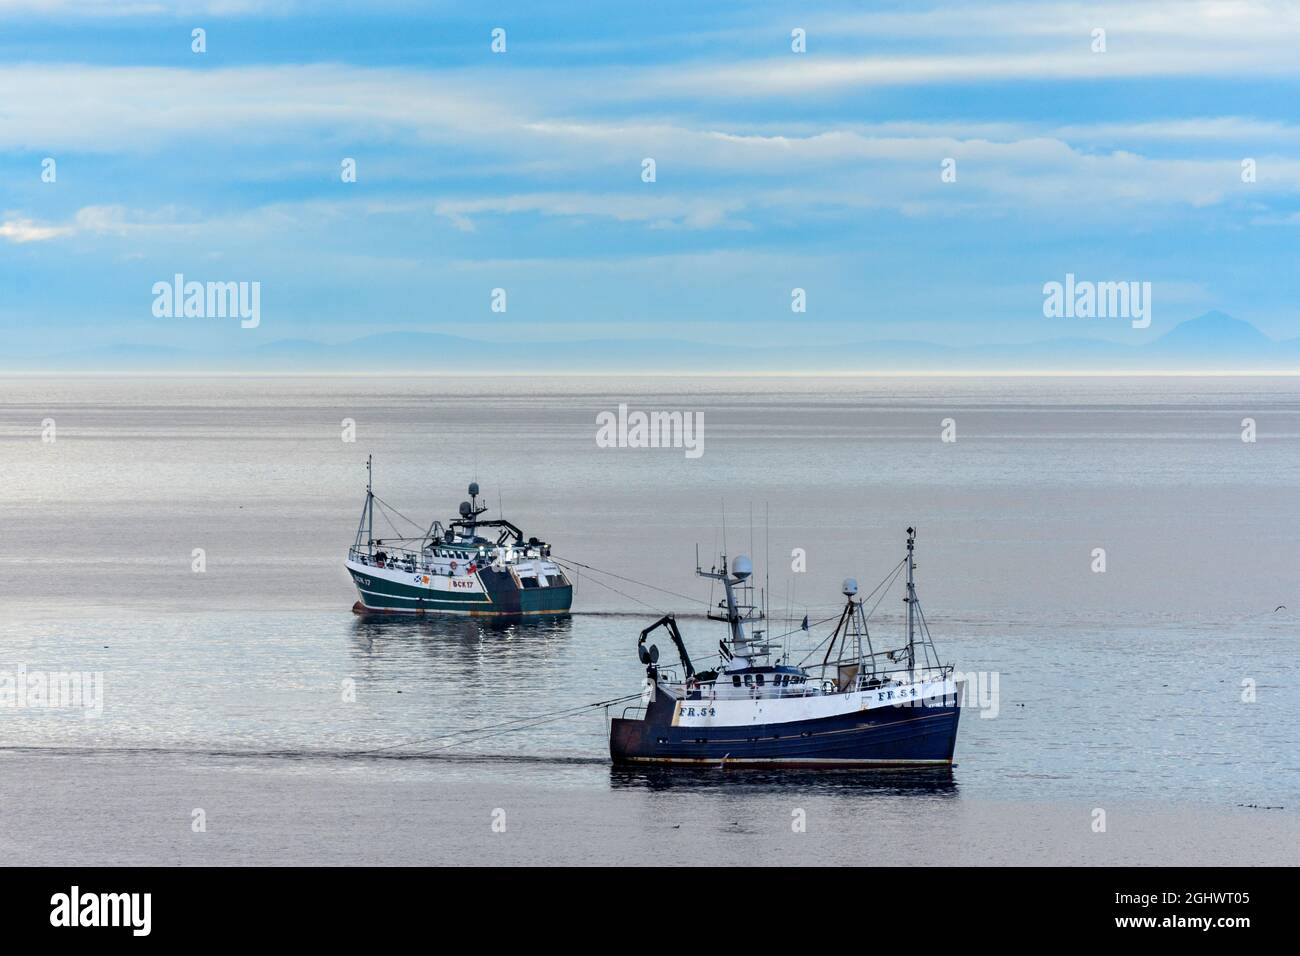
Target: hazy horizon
1214,343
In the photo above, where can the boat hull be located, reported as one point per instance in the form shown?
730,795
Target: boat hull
487,593
888,737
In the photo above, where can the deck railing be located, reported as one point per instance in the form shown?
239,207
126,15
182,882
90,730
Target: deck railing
815,687
414,562
396,559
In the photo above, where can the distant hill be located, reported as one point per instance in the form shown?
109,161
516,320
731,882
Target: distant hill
1211,341
1214,335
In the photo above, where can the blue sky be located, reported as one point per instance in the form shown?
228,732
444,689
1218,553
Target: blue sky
522,170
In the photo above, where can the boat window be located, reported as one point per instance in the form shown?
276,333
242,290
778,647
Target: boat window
749,679
735,680
760,680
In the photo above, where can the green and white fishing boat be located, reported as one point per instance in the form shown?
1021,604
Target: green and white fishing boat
456,569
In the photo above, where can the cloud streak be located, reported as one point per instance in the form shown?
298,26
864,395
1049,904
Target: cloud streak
775,169
19,231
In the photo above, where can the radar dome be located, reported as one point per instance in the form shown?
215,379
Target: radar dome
741,566
473,489
850,587
465,509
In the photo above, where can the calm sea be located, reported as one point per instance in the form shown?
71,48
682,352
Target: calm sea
248,716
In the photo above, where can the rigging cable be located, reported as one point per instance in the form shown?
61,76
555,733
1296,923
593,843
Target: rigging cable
383,513
897,570
567,561
886,583
496,729
389,507
657,610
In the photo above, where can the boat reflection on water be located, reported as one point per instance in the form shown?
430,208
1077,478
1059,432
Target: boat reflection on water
936,781
459,641
372,628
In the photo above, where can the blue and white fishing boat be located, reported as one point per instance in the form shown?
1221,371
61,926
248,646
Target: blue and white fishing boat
860,707
455,569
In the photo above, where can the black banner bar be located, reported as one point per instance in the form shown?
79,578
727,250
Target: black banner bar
332,906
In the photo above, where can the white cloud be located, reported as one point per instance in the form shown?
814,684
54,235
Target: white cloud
140,109
1227,130
1202,19
699,212
788,76
25,230
97,221
529,126
90,9
979,43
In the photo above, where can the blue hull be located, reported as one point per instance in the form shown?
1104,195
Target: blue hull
888,736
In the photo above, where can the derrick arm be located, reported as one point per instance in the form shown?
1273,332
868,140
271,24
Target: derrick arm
669,623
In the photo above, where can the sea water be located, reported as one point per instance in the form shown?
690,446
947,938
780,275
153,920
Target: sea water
1109,550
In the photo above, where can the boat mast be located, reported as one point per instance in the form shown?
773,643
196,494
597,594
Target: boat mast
911,601
742,644
370,505
738,638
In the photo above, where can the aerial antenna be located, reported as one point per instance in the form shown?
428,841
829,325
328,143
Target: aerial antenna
767,563
724,527
788,609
